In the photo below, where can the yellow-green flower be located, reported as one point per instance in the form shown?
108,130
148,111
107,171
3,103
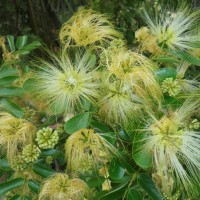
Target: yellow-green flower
17,163
174,29
86,151
30,153
14,133
87,27
175,148
47,138
61,187
171,86
65,82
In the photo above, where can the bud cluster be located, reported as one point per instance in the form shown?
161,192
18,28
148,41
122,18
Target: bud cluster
30,153
47,138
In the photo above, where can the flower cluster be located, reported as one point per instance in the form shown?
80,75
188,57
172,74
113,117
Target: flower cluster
30,153
170,86
47,138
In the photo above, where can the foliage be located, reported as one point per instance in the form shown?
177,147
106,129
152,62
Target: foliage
100,119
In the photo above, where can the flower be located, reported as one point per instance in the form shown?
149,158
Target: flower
87,27
175,148
30,153
118,104
86,150
64,83
132,69
174,29
60,186
47,138
171,87
17,163
14,133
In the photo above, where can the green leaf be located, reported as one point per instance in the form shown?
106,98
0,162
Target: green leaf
115,193
165,59
16,197
101,127
11,107
4,165
140,156
116,171
11,42
78,122
124,161
8,72
43,170
7,80
34,185
94,182
164,73
148,185
10,185
187,57
51,152
29,47
123,135
133,194
21,41
11,91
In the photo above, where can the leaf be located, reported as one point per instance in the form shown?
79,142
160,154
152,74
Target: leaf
186,56
140,156
34,185
8,72
114,194
78,122
4,165
94,182
11,91
116,171
101,127
43,170
148,185
164,73
165,59
51,152
123,135
133,194
10,185
11,42
11,107
16,197
124,161
7,80
29,47
21,41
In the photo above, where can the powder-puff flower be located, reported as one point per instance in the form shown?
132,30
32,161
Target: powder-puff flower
61,187
174,146
86,151
65,83
14,133
174,29
87,27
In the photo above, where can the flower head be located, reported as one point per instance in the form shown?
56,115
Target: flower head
14,133
47,138
60,186
86,150
174,145
87,27
174,29
64,83
30,153
171,87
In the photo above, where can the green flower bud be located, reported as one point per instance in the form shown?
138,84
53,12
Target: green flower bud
47,138
30,153
171,87
49,160
17,163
